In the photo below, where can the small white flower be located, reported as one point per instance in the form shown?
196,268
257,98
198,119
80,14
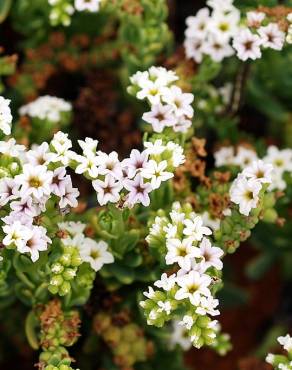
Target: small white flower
108,190
211,255
151,90
38,154
5,116
156,173
155,147
160,116
286,342
110,164
138,191
10,148
135,163
178,157
73,228
187,322
217,48
59,181
9,190
193,286
224,25
89,5
164,306
181,252
259,170
95,253
207,306
89,165
194,228
70,197
35,181
247,45
272,37
46,107
245,157
179,337
280,159
166,282
197,26
16,234
245,193
210,221
37,241
224,156
255,19
194,49
181,102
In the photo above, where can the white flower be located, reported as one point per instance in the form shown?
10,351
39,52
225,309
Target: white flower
61,145
164,306
224,156
270,358
194,228
194,49
26,206
179,337
59,181
135,163
259,170
110,164
187,322
150,294
163,76
182,124
95,253
217,48
108,190
280,159
154,148
10,148
245,193
88,146
38,154
166,282
8,190
197,26
73,228
255,19
221,5
224,25
181,252
160,116
178,157
181,102
211,255
245,157
286,342
89,5
155,172
152,90
272,37
210,221
207,306
138,191
5,116
16,234
193,286
35,181
46,107
37,241
70,196
89,165
247,45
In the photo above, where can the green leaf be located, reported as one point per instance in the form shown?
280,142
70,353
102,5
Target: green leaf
5,6
31,324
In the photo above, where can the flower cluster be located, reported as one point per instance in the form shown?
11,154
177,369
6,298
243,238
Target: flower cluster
250,40
170,106
129,181
281,160
245,189
5,116
282,362
62,10
188,294
211,34
46,107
